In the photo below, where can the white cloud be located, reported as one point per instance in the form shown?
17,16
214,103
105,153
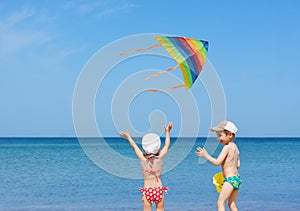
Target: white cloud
15,40
33,28
116,10
16,18
65,53
82,8
99,8
85,8
16,35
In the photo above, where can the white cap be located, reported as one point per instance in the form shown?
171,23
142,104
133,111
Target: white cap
151,143
225,125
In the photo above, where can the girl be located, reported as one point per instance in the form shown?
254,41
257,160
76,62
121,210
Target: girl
151,163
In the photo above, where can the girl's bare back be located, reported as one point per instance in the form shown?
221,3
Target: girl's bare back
152,170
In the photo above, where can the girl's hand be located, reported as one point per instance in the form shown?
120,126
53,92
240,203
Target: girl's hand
169,127
201,152
125,135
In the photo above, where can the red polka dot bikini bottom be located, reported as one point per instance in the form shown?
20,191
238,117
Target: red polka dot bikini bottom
153,194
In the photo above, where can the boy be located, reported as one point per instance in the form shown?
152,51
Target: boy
151,163
230,161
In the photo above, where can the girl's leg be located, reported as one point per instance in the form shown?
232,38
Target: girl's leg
232,200
147,205
160,206
224,195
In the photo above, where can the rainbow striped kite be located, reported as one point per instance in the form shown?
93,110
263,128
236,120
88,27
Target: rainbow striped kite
190,55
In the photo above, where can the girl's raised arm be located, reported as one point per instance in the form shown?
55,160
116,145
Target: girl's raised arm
134,146
166,147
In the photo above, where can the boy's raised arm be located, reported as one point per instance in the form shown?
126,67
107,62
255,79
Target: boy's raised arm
167,140
134,146
203,153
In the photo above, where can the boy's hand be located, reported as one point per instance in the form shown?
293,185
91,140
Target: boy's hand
125,135
201,152
169,127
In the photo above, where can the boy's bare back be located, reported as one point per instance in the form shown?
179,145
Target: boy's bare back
232,161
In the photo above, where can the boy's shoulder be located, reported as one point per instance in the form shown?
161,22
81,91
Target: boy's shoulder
226,148
232,145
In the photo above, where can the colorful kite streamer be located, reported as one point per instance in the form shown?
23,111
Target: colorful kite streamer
190,54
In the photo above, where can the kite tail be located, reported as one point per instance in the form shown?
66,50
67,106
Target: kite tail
161,72
174,87
140,49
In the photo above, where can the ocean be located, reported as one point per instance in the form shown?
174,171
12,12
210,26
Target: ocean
57,174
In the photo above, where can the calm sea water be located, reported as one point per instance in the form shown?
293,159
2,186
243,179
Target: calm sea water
56,174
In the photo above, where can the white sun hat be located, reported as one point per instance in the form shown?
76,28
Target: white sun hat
225,125
151,143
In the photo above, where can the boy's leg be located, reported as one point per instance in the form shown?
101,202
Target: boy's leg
232,200
224,195
160,205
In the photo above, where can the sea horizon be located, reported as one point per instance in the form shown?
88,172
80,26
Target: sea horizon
183,137
53,173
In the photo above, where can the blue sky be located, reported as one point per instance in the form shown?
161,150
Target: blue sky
44,45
